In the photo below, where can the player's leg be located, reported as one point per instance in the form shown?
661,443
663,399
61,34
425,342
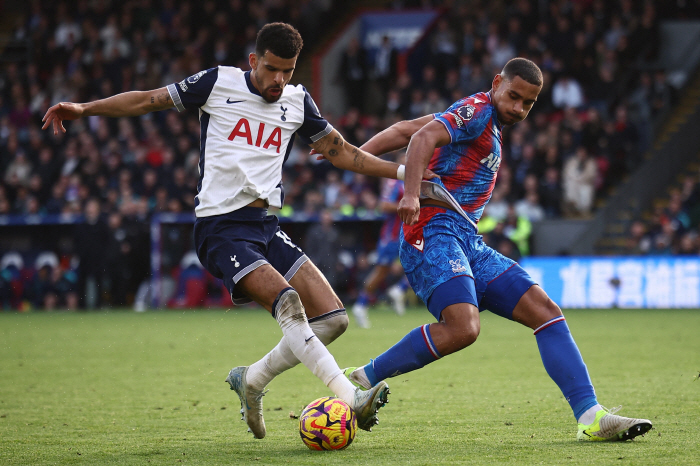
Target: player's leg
326,316
453,305
260,285
441,276
514,295
269,288
397,292
375,278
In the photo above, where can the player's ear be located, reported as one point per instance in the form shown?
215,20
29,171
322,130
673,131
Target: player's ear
496,81
253,60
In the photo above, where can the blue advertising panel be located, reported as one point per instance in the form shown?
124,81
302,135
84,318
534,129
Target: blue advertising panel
404,29
627,282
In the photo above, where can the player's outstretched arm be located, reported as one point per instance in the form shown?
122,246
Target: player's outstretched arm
127,104
345,156
396,136
418,154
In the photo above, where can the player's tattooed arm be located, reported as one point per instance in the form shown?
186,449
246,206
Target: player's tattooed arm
348,157
133,103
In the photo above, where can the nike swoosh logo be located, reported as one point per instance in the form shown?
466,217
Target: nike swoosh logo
229,101
316,426
307,340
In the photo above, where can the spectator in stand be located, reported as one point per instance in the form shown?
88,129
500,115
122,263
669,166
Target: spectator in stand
322,241
91,239
551,193
353,73
579,179
660,94
567,93
384,68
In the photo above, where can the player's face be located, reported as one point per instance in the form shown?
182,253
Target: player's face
513,99
271,73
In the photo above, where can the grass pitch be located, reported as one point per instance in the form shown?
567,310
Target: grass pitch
126,388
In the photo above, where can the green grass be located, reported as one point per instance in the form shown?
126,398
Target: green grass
126,388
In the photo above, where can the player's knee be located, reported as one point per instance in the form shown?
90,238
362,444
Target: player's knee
329,327
466,333
288,307
552,309
339,325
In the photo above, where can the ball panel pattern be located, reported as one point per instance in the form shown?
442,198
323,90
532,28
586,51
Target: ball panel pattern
327,423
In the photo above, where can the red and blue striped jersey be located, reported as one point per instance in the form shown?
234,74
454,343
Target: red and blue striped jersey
468,164
392,191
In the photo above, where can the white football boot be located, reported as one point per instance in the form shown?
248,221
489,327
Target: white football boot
398,301
608,426
361,315
251,401
367,402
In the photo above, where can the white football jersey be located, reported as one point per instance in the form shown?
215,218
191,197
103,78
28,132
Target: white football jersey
244,139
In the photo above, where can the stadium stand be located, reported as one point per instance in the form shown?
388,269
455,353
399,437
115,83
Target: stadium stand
595,117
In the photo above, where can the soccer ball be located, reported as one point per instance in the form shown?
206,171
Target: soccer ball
327,424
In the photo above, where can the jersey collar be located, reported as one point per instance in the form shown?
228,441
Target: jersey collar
498,123
251,88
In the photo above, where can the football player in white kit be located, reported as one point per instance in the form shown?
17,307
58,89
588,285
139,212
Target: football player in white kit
248,122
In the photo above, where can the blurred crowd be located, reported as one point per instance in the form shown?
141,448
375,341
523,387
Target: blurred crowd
672,226
591,123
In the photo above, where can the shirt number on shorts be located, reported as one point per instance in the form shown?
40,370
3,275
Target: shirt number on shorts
287,240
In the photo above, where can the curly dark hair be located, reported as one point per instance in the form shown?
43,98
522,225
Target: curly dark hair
524,68
282,39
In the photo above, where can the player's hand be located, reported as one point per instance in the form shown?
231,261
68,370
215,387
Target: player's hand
409,210
429,175
60,112
319,156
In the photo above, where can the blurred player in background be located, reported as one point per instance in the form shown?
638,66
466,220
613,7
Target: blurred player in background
387,254
248,123
454,272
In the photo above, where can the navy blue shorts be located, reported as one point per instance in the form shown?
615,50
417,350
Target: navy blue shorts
232,245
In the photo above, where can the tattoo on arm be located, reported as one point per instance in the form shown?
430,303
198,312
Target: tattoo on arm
359,160
152,99
163,98
337,141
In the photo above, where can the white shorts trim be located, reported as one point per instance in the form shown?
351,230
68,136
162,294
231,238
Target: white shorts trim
295,268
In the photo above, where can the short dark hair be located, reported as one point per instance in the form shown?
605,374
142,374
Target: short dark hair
526,69
282,39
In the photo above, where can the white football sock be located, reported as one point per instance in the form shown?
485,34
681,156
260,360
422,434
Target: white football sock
589,416
304,344
326,327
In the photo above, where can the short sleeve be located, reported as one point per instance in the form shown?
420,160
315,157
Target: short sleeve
465,122
193,92
314,126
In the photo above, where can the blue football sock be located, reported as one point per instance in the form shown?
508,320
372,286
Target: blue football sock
363,299
562,361
403,284
414,351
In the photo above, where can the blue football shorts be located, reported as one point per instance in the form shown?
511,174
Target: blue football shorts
387,252
232,245
447,247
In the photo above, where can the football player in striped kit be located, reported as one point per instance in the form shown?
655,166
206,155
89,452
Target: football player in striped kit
453,271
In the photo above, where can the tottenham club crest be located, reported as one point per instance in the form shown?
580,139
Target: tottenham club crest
466,112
